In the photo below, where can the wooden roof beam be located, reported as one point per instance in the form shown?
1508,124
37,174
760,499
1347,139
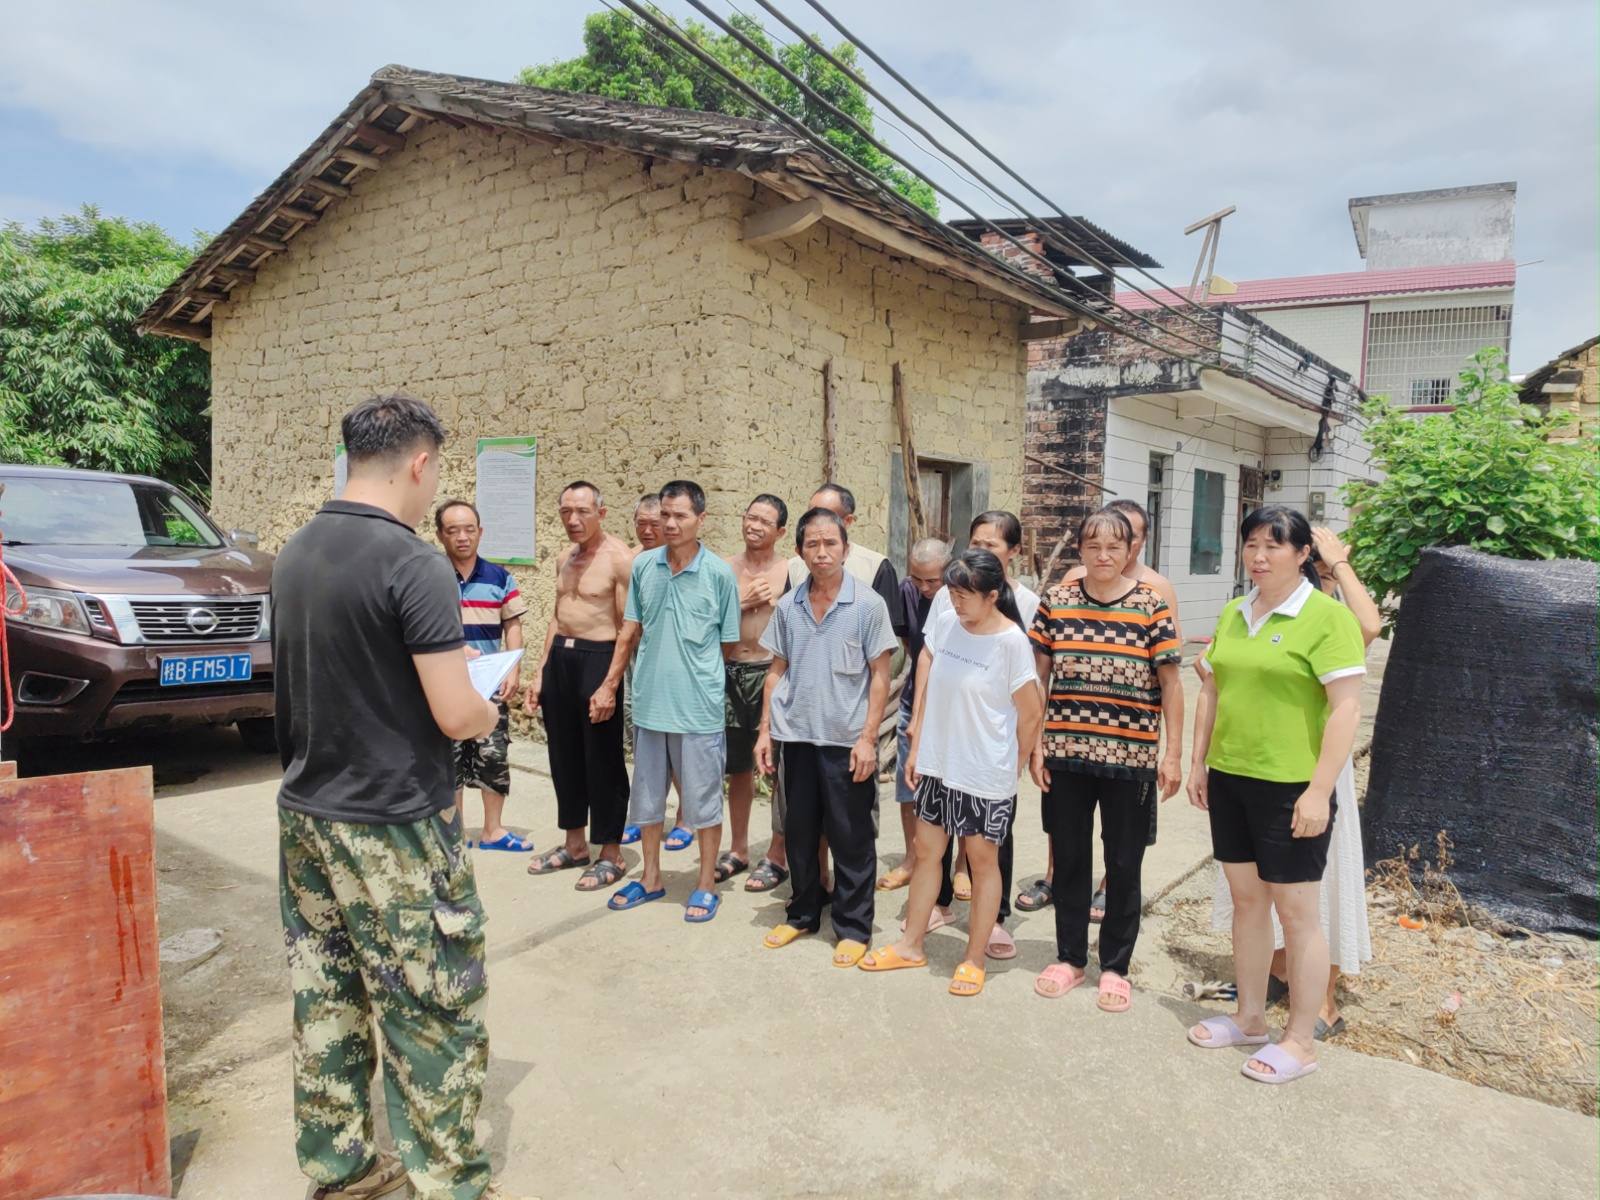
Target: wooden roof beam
260,242
179,329
378,137
337,191
784,221
360,157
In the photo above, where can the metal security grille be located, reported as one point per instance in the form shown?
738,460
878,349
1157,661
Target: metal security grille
198,620
1414,357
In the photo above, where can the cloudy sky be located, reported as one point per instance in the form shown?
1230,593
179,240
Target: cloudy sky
1142,117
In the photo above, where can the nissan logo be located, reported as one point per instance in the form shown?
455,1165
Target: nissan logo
202,620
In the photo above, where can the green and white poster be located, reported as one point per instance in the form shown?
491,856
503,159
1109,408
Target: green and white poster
507,467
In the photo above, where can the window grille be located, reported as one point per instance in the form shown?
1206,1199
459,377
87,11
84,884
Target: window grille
1409,354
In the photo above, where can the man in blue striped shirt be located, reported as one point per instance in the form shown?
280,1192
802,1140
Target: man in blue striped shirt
491,618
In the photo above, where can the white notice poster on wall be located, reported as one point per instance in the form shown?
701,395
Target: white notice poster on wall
341,470
506,470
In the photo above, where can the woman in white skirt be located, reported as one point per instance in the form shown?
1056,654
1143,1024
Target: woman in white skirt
1344,896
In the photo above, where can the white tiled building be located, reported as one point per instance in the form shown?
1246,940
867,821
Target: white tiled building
1275,420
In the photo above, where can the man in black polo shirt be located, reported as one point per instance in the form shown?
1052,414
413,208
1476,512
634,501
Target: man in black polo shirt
380,910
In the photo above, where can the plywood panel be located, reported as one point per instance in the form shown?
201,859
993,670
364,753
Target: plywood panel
82,1077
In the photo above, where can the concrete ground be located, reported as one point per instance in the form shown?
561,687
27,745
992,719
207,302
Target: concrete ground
635,1054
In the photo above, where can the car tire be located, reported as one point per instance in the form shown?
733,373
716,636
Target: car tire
259,735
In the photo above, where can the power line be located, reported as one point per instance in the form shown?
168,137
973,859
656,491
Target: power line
659,28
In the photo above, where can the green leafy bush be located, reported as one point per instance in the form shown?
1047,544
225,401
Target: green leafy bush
624,62
78,387
1486,475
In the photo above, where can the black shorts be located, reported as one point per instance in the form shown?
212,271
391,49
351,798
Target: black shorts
1252,821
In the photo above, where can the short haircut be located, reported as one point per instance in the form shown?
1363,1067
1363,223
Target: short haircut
648,500
820,514
847,498
1106,522
438,513
1010,529
599,501
930,550
385,427
688,490
1132,508
778,506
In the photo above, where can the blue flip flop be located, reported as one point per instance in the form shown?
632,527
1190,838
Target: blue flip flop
633,895
508,841
680,838
631,834
710,901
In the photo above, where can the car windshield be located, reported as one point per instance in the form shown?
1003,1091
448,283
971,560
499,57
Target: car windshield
61,511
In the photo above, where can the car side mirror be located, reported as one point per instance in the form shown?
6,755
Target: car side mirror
247,539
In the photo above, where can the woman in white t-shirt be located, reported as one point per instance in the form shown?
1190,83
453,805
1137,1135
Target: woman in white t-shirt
977,717
1000,533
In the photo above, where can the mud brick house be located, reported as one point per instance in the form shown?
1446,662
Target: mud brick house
653,293
1569,384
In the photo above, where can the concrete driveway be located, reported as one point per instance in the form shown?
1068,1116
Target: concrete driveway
634,1054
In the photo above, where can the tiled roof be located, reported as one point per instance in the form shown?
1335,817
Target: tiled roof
1348,285
375,123
1105,246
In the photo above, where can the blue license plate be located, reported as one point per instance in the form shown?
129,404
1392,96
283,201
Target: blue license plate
204,668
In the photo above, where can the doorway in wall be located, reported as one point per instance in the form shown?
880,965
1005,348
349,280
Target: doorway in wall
1252,492
1155,503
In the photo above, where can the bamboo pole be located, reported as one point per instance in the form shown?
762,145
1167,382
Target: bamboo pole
916,521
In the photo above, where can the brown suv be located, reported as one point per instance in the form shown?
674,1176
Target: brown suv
140,613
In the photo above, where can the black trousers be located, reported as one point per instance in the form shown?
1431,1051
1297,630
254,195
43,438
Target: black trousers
824,801
586,760
947,890
1124,829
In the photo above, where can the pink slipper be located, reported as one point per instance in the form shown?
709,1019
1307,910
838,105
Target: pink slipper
937,919
1001,944
1224,1032
1059,973
1115,987
1286,1068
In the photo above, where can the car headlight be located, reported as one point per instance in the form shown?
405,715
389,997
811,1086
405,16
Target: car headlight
47,608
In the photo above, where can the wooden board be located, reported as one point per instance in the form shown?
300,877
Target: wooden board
83,1104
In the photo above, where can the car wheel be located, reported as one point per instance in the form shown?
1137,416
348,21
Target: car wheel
259,735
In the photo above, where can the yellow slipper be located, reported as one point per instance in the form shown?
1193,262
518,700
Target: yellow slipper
894,880
967,981
884,958
961,886
782,936
848,953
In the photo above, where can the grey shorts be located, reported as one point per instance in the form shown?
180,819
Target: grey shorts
696,759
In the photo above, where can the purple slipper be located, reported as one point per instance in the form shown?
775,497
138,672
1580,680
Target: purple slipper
1225,1033
1286,1068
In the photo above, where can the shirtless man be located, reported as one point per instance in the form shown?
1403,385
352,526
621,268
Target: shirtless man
586,757
761,575
1042,893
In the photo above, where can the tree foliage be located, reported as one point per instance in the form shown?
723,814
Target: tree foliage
624,61
1486,475
78,386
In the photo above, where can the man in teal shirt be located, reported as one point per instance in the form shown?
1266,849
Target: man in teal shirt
682,618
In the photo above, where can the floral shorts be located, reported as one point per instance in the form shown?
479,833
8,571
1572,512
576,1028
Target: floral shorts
961,814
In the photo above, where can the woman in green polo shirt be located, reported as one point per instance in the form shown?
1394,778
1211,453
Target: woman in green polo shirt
1275,722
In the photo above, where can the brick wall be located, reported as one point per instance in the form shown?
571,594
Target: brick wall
604,304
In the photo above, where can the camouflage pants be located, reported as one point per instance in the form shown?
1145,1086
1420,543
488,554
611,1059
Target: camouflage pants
487,760
384,921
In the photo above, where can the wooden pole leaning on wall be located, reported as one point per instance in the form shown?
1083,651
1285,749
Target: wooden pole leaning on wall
830,425
916,521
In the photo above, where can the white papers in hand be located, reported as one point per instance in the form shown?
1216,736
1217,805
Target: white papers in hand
489,671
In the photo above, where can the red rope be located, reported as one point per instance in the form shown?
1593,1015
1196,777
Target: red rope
7,582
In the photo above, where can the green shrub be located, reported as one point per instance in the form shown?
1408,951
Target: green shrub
1486,475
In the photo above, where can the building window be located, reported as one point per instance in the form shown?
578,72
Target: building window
1430,391
1410,353
1155,505
1205,530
